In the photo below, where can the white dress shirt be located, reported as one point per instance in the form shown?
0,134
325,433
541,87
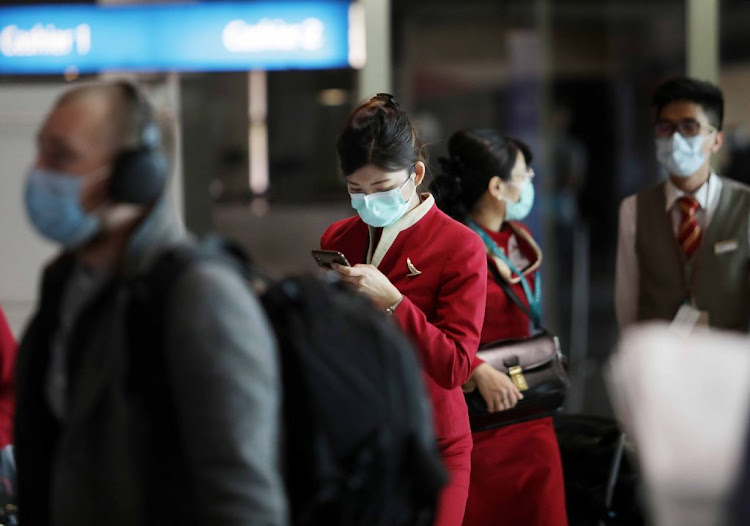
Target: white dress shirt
626,269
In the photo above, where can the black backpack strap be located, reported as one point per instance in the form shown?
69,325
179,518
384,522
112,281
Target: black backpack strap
513,296
230,252
150,291
148,372
149,382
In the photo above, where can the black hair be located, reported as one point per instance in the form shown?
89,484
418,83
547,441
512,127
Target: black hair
705,94
474,157
379,132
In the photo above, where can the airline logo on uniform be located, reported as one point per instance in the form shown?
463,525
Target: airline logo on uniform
412,269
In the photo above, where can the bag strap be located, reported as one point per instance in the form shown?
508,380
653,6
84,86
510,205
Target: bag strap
147,316
149,372
513,296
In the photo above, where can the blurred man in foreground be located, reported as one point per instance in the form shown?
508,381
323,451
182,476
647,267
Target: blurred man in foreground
116,425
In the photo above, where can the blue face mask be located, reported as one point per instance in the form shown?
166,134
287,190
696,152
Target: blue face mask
519,210
382,208
52,204
680,156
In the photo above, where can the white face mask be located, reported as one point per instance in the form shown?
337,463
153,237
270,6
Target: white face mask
52,202
381,209
681,156
521,208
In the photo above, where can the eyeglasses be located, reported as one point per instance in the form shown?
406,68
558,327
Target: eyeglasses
527,174
685,127
519,180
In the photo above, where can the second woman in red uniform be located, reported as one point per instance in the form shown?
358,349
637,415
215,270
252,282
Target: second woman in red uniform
417,264
516,473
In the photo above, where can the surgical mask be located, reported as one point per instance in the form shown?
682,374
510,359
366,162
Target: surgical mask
680,156
53,206
520,209
382,209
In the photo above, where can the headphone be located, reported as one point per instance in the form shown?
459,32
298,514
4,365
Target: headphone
139,172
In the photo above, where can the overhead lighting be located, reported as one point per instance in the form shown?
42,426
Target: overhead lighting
333,97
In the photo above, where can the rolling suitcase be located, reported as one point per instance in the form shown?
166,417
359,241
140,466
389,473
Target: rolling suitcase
601,480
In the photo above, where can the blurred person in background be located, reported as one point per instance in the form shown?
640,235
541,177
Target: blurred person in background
738,143
114,424
569,165
7,381
683,247
516,470
416,264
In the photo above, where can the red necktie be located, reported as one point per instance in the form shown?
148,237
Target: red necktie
690,232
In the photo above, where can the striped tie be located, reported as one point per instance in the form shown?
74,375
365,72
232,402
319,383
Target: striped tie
690,232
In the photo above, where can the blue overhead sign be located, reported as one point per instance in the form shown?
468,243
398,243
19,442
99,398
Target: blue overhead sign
216,36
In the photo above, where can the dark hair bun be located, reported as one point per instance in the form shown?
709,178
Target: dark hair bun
447,188
475,157
379,132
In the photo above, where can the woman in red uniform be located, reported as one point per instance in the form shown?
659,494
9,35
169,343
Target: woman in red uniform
516,473
417,264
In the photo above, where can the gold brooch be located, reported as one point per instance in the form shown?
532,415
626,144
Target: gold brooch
412,269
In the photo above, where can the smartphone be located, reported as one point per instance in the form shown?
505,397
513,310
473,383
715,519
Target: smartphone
326,257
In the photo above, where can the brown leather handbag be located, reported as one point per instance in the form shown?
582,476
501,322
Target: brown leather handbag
535,365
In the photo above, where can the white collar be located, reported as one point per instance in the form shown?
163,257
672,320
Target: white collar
704,195
389,234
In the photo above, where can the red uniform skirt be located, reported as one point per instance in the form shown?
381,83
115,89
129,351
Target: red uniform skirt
516,477
456,454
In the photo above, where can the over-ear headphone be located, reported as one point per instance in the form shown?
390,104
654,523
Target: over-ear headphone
139,172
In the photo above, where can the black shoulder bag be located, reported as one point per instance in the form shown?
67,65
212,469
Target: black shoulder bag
534,364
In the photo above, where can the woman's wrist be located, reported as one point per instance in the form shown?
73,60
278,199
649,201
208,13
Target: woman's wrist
470,385
481,372
392,307
479,369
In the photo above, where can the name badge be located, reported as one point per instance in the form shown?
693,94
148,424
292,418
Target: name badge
687,318
725,246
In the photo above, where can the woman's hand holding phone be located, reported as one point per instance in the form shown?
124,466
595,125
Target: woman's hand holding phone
371,282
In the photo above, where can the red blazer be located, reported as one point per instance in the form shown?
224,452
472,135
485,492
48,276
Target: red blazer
8,351
443,307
